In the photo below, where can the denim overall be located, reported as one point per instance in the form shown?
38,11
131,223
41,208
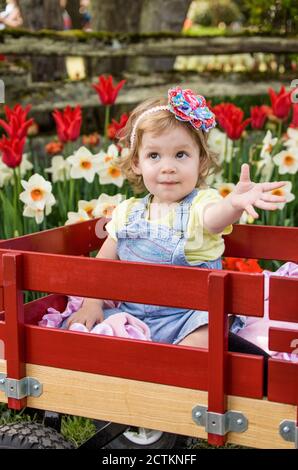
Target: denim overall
150,242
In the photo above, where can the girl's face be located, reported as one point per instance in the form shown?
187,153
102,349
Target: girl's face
169,164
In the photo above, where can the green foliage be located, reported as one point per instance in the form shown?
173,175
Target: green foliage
216,11
278,15
77,429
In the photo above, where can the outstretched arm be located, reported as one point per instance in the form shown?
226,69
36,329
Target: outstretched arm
246,196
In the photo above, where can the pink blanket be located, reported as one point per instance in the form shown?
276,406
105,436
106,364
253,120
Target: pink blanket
119,324
257,329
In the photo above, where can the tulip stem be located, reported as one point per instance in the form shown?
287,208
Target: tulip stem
107,120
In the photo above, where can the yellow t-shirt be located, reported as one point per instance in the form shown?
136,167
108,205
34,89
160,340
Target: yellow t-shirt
201,245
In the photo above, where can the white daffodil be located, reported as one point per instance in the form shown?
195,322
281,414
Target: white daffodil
25,165
124,152
214,178
220,143
38,214
246,218
285,191
75,217
6,174
84,164
268,144
224,189
60,169
292,138
88,207
109,171
106,204
38,192
287,161
265,166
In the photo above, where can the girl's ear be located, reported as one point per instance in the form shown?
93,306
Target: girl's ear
136,167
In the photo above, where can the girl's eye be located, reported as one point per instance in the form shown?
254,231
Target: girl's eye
181,155
153,156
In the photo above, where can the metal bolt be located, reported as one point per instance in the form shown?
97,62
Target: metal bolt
2,381
198,414
286,429
239,421
36,387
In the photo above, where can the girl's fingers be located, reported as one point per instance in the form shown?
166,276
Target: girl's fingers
274,185
251,211
265,205
272,198
244,174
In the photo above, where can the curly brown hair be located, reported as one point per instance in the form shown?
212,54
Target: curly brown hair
157,123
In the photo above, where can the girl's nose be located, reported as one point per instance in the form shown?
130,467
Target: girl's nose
168,166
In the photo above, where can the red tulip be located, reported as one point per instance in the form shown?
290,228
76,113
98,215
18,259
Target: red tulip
230,118
106,91
281,102
259,115
115,127
294,122
16,125
68,123
12,150
242,265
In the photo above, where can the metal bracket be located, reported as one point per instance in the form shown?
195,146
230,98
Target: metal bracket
289,431
18,389
220,424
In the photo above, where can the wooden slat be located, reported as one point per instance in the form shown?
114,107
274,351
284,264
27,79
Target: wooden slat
1,299
218,346
14,322
263,242
283,381
149,405
283,340
283,299
175,286
75,239
161,363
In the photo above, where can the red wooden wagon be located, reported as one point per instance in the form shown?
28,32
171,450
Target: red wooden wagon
214,394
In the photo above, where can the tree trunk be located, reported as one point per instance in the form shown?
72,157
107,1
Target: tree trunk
160,15
44,14
115,16
73,9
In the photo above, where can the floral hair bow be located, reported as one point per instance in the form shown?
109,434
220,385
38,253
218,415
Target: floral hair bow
191,108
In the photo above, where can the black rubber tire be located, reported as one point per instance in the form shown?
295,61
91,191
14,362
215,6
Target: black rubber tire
166,441
31,436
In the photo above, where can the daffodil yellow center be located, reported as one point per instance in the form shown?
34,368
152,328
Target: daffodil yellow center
37,194
114,172
89,210
107,158
107,212
277,192
288,160
269,148
224,192
86,164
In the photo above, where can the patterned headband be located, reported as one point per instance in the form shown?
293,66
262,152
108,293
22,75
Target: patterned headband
186,106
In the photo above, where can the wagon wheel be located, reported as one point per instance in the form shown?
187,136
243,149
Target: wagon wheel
31,436
142,438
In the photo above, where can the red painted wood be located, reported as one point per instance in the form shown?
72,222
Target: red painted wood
263,242
177,286
283,299
283,381
1,299
283,340
218,346
139,360
14,322
35,310
75,239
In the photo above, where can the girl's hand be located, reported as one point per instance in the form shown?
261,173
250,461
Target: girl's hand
86,316
248,194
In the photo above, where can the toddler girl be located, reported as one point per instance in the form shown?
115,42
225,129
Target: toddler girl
181,220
